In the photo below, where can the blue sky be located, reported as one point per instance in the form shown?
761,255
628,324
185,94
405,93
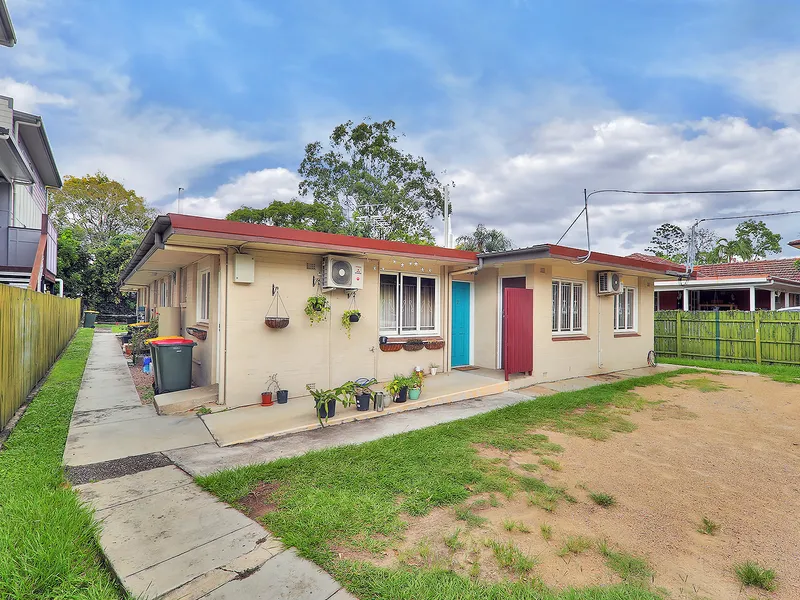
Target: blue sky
523,102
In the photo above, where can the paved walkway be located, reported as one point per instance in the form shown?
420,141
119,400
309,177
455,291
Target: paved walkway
164,536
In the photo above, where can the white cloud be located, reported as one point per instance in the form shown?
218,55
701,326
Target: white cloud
28,97
535,194
255,188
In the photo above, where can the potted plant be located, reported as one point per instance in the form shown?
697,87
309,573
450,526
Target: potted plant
398,388
282,395
348,318
434,368
363,393
317,308
324,403
415,386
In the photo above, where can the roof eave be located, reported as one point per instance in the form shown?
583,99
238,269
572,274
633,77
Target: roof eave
48,172
7,36
153,240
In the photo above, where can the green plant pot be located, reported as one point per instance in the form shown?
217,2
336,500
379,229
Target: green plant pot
413,393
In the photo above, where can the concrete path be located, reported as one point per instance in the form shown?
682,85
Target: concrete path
163,536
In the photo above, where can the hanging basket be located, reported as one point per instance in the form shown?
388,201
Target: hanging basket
276,321
413,345
434,344
391,347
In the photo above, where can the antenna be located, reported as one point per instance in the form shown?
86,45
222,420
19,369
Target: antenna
374,217
180,192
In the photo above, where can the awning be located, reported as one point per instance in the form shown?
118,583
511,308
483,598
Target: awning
12,164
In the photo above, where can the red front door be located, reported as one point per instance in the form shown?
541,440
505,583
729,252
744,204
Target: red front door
517,331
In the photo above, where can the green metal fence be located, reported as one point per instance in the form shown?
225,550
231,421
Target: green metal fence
763,337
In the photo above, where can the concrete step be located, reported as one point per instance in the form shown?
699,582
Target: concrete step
186,400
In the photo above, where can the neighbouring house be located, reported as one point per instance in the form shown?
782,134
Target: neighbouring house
28,239
7,37
750,285
531,315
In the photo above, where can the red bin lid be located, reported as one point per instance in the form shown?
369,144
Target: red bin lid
173,342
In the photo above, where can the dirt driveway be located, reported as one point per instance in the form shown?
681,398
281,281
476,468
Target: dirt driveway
725,447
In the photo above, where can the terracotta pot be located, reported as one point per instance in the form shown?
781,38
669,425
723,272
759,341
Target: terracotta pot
266,399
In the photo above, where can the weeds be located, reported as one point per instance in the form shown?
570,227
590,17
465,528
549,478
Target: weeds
510,558
551,464
625,565
511,525
603,499
575,545
464,513
708,527
547,532
752,574
452,541
530,467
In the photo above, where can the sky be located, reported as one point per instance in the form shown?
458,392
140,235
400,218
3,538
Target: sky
520,103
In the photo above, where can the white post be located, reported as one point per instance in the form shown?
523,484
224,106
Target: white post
772,294
752,298
686,299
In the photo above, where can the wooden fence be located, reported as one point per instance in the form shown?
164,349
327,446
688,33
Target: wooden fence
34,329
763,337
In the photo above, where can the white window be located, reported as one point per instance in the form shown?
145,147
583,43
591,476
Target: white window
409,304
166,292
569,306
625,310
203,295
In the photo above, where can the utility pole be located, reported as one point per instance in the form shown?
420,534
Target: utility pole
180,192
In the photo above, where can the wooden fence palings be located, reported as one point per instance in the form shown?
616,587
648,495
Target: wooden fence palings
34,329
760,336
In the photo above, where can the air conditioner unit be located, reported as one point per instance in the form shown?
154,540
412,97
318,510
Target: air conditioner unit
608,283
341,272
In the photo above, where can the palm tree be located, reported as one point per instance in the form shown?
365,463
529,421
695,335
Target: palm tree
484,240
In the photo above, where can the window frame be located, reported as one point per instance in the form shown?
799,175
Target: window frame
555,315
398,331
201,274
789,296
634,328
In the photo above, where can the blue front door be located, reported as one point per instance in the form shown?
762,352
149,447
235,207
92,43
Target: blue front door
459,348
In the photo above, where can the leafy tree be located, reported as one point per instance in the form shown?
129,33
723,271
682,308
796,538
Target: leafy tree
369,185
294,214
73,261
671,242
484,240
100,206
754,240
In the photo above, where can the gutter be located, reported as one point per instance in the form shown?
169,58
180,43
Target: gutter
21,118
153,240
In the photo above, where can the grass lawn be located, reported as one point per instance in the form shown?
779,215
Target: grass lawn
356,497
48,540
115,328
781,373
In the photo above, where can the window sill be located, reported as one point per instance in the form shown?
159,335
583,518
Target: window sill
402,339
624,334
570,338
202,324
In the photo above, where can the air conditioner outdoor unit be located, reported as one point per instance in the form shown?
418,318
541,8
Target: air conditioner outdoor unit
341,272
608,283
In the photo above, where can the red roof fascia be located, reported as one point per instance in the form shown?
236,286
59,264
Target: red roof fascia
611,260
270,234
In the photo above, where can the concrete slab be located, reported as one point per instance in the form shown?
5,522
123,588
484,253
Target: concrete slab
151,530
108,441
111,415
285,577
251,423
209,458
183,568
185,400
130,488
112,393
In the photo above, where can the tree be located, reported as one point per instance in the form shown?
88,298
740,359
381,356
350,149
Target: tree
74,261
294,213
100,206
672,243
484,240
754,240
369,185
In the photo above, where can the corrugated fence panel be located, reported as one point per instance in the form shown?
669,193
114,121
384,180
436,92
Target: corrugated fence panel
764,337
34,329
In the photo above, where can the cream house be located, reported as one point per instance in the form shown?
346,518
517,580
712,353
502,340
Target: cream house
517,317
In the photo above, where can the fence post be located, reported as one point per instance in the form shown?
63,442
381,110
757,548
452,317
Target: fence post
716,332
757,319
678,334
